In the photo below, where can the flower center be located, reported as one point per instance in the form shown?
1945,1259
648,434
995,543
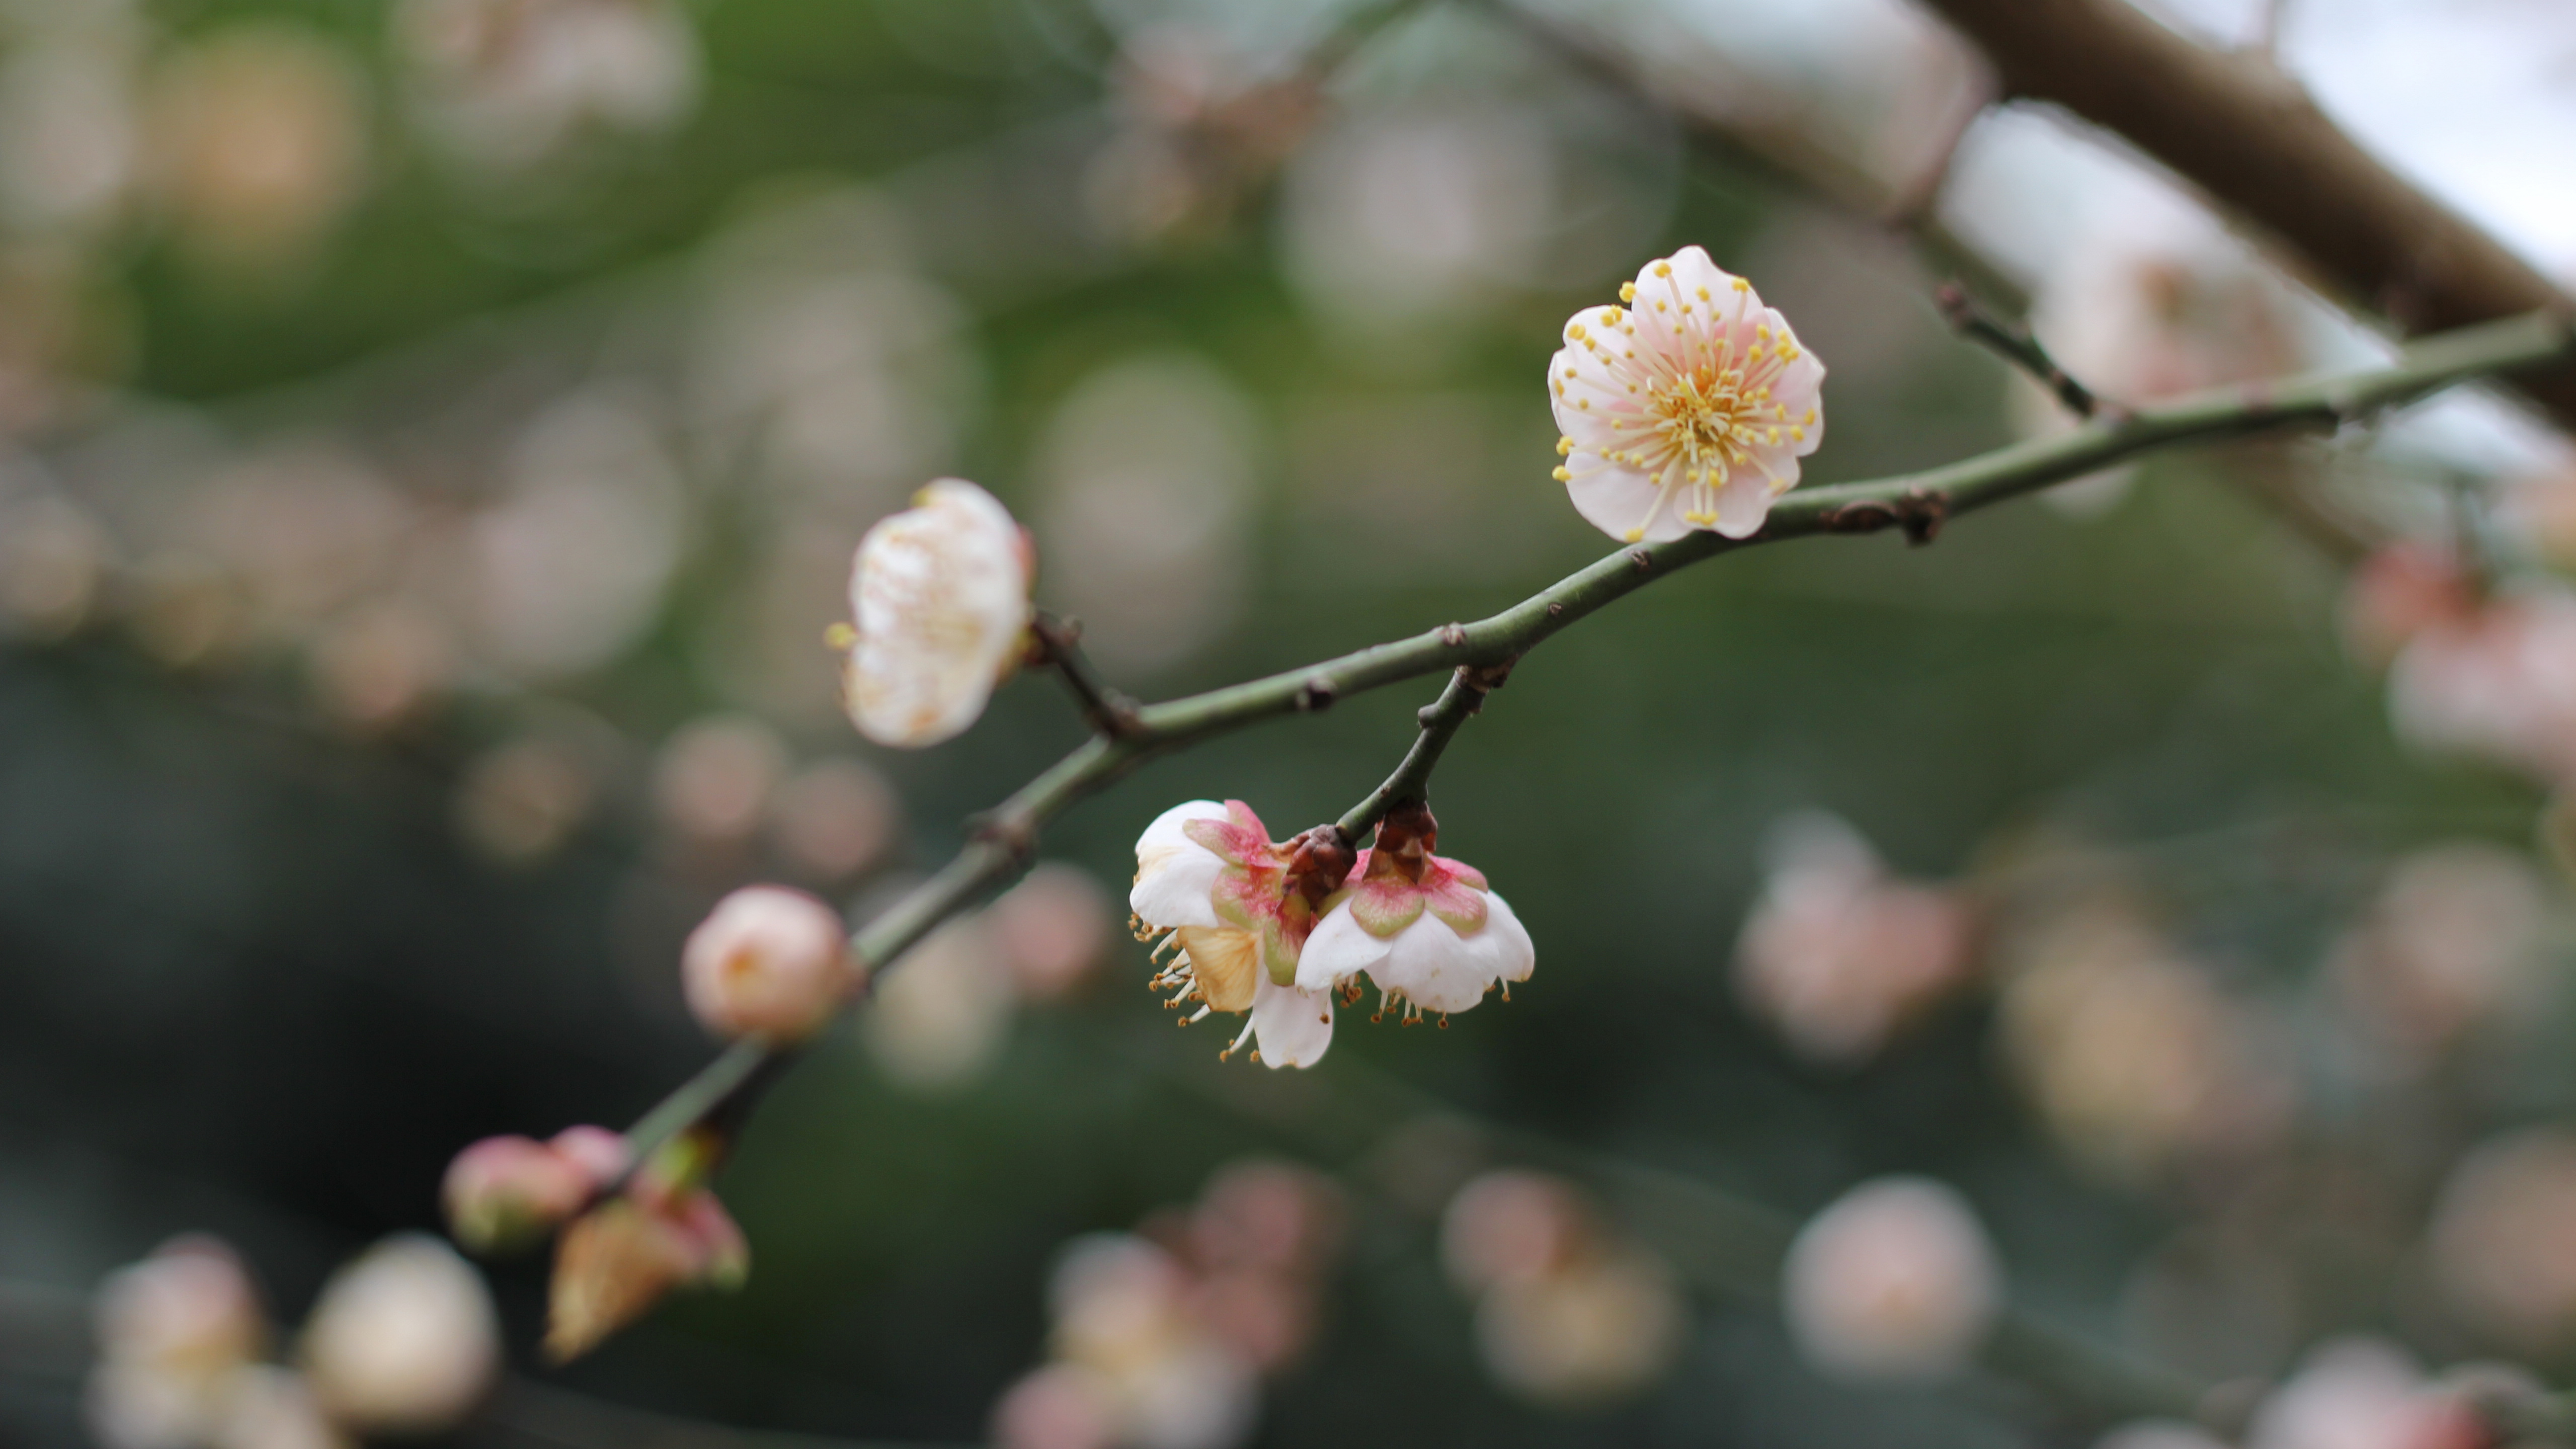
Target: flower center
1702,414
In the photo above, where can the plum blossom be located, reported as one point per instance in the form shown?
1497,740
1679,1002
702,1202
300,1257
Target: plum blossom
403,1340
1895,1280
940,593
667,1231
504,1193
1687,409
2365,1393
2498,683
767,962
1425,928
1565,1313
174,1331
1234,908
1839,954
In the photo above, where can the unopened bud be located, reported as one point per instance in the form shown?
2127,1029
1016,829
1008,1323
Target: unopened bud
767,962
403,1340
615,1263
506,1193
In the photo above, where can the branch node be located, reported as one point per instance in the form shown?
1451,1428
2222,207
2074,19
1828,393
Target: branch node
1315,695
1641,558
1555,609
1454,635
1058,642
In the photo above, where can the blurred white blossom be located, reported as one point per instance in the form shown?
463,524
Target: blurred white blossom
404,1339
508,83
939,1018
940,593
258,142
1894,1280
715,777
1052,929
173,1333
834,819
568,568
2451,944
1145,496
2362,1393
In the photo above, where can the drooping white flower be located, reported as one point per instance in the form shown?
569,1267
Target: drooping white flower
1894,1280
403,1340
1235,909
940,593
1687,409
1425,928
768,962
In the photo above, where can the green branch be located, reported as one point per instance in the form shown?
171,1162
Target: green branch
1917,503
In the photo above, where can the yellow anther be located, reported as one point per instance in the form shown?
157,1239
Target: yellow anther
1663,269
1560,389
1563,475
845,636
1659,307
1798,433
1703,294
1569,372
1810,418
1627,291
1636,534
1742,285
1564,446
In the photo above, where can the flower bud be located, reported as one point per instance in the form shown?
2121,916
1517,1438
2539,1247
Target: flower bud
506,1193
188,1309
615,1263
1893,1281
403,1339
767,962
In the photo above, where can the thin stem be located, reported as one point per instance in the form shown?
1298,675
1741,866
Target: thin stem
1059,645
1918,503
1440,721
2014,344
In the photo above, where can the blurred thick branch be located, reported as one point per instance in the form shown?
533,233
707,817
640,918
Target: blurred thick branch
2247,134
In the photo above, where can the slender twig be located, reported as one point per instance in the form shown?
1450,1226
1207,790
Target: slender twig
1917,502
1440,721
2015,344
1059,644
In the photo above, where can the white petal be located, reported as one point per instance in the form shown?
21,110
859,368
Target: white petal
940,595
1175,874
1621,502
1516,953
1743,504
1291,1027
1338,950
1436,968
1176,887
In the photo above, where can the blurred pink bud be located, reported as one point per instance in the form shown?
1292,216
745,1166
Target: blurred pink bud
505,1193
1271,1215
1894,1280
1060,1406
1511,1226
714,778
2361,1393
1838,955
189,1308
767,962
601,1154
2504,1239
2499,684
1051,929
403,1340
834,818
2399,592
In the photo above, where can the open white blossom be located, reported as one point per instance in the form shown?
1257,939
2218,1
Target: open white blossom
1235,909
403,1340
941,596
1687,409
1894,1280
1425,928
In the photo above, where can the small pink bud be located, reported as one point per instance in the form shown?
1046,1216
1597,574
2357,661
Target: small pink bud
599,1153
767,962
506,1193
